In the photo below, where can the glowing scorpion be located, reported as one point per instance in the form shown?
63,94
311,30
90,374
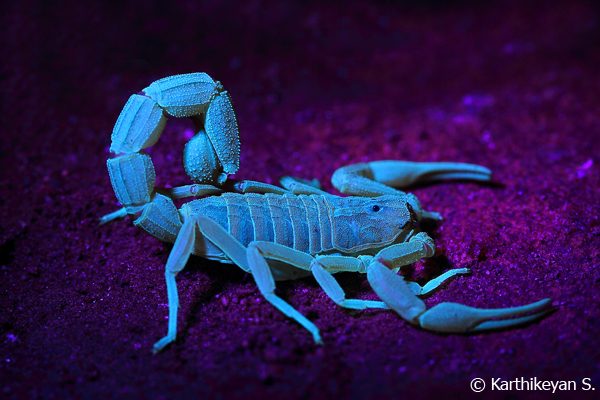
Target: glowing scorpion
279,234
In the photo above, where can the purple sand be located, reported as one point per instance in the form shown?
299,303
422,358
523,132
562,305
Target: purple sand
511,85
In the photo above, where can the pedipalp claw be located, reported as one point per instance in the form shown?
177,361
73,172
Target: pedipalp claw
406,173
377,178
393,291
458,318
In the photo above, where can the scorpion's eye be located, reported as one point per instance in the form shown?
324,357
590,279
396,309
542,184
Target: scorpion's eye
376,208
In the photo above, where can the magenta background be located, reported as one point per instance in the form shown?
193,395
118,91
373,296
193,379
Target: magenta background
511,85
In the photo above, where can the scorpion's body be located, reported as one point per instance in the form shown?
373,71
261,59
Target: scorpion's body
278,234
312,224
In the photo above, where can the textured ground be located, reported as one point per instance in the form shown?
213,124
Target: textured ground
511,85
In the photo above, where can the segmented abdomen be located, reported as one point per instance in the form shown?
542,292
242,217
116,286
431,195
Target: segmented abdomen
297,221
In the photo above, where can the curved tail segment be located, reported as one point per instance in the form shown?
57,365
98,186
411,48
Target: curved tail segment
199,97
210,156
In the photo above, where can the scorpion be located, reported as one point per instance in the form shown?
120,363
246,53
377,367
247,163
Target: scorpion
286,233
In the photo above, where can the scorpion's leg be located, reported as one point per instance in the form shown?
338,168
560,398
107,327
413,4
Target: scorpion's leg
433,284
444,317
195,190
266,284
291,185
183,247
322,267
418,247
250,260
120,213
302,186
252,187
